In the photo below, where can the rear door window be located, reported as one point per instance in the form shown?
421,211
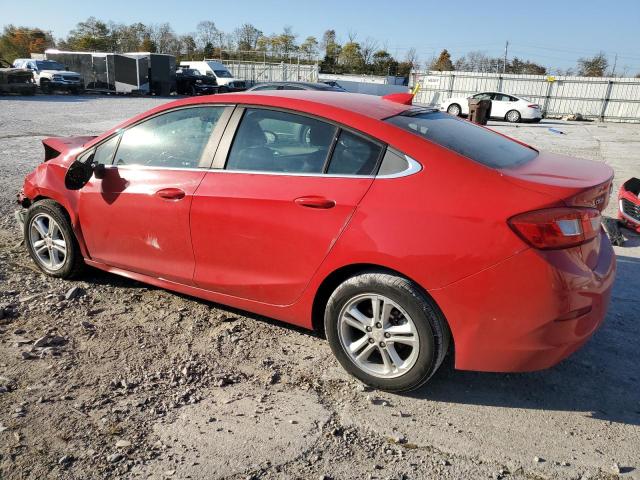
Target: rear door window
474,142
274,141
354,155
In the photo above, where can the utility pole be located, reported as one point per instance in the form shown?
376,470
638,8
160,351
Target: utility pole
615,62
506,49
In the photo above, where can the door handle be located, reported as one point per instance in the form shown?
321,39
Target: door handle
315,202
170,193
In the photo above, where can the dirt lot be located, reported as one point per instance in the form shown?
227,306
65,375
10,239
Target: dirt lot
105,377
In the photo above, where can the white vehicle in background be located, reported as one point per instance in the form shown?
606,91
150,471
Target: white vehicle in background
217,70
50,75
503,106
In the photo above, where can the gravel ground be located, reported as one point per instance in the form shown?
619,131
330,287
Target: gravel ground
105,377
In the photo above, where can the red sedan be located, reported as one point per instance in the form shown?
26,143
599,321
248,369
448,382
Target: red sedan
400,231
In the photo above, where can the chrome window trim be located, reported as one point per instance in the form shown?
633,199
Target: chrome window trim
414,167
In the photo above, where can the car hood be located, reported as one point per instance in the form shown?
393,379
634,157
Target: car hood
60,72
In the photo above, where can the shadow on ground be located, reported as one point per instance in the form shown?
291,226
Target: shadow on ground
602,380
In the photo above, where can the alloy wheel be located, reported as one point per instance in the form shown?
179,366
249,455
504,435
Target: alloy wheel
378,335
47,241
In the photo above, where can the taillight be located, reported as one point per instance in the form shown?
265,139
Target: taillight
533,106
555,228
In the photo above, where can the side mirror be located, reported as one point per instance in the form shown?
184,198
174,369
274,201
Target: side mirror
79,173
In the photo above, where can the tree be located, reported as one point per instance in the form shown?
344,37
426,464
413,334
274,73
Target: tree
147,44
309,47
525,67
207,33
351,57
247,36
208,50
18,42
443,63
331,48
128,38
384,63
476,61
188,45
165,39
287,41
367,48
91,35
595,66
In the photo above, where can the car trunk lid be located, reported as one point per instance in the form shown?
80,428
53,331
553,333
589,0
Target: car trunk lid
572,183
54,146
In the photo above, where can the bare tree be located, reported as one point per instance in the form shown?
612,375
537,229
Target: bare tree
367,48
246,36
207,33
411,57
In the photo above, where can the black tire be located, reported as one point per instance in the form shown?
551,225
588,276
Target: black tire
45,86
433,332
454,109
223,90
193,91
73,263
513,116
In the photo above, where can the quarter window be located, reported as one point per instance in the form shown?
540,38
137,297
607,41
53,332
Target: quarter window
104,152
176,139
354,155
273,141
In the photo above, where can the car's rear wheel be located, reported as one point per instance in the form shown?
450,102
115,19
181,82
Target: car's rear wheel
454,109
385,331
513,116
50,240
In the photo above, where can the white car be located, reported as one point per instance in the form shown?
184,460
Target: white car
503,107
50,75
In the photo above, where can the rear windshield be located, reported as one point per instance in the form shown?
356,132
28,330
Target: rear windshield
461,136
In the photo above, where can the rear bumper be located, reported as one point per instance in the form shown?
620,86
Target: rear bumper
529,312
531,114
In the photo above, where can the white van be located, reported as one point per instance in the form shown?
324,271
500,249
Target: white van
211,68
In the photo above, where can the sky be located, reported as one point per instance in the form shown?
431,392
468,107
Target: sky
552,33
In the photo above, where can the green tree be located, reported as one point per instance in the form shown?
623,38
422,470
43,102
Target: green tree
331,49
351,57
384,63
91,35
443,62
309,47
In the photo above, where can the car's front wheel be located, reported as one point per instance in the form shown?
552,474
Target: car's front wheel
454,109
385,331
50,240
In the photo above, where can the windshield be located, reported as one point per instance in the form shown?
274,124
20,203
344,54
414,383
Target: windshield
223,73
463,137
49,65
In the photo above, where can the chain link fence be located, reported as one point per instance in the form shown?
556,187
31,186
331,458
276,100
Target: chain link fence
601,98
